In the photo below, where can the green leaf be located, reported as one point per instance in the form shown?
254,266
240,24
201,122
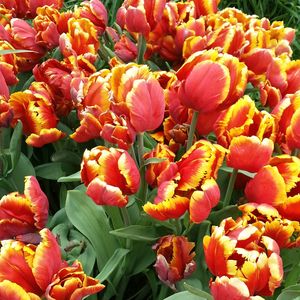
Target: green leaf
15,51
184,295
54,170
91,220
230,170
59,218
292,292
229,211
15,144
22,169
154,160
197,292
66,156
71,178
113,263
137,233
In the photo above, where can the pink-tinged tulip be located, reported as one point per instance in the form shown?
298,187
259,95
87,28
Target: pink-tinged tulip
24,38
37,115
140,16
8,66
277,184
232,288
4,90
31,267
226,73
146,105
174,259
125,49
110,175
23,213
95,11
71,283
249,153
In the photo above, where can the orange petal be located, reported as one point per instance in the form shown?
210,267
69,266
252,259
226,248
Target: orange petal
195,94
47,259
267,187
45,136
39,201
249,153
12,291
202,202
105,194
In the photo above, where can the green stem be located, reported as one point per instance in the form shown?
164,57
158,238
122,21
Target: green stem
141,49
192,130
142,194
230,187
125,216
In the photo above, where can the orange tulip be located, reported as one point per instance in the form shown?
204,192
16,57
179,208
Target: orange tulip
11,290
268,220
31,267
277,184
244,119
71,283
241,252
37,115
188,184
206,7
110,175
23,213
174,259
249,153
288,114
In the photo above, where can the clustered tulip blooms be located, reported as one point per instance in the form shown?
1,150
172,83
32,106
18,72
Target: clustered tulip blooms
180,114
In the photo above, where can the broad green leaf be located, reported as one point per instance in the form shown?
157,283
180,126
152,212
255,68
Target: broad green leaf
229,211
22,169
184,296
15,144
66,156
91,220
54,170
71,178
137,233
113,263
197,292
290,293
59,218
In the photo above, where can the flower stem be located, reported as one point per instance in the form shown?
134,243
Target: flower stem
141,49
230,187
142,194
192,130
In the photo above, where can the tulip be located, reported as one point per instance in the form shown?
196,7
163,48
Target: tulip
37,115
174,259
23,213
249,153
277,184
110,175
72,283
